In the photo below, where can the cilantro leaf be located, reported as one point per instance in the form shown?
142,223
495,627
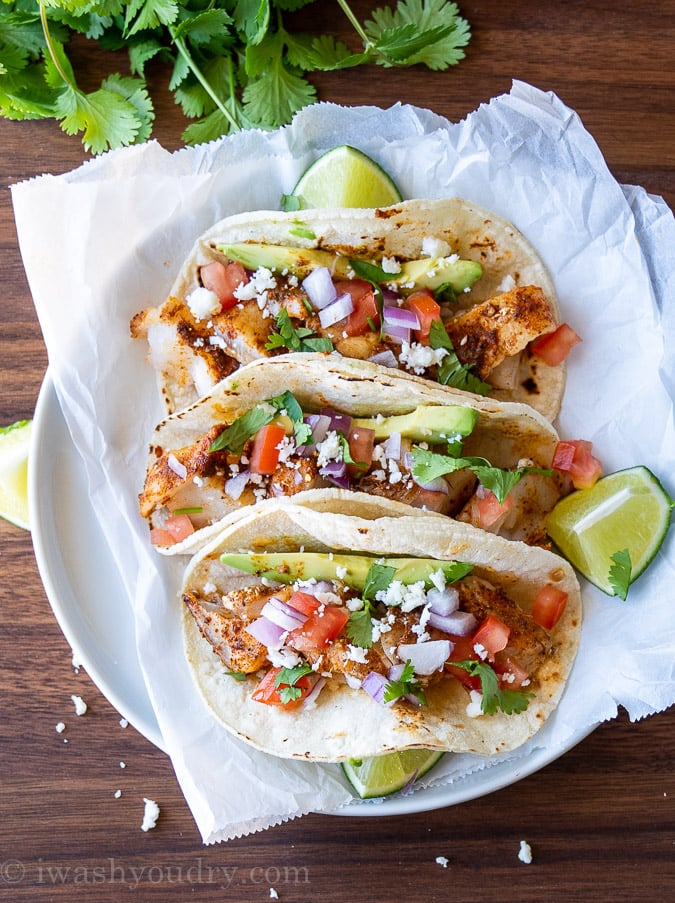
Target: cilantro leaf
428,465
377,580
286,682
237,434
451,371
300,339
404,686
509,701
360,626
620,573
437,35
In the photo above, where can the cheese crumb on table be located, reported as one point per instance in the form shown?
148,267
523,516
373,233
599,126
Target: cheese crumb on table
525,852
80,705
60,727
150,814
442,860
273,894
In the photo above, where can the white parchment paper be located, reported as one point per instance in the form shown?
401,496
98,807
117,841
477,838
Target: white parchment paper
105,241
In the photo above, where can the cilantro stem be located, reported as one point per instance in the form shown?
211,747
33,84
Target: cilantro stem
194,68
368,44
52,49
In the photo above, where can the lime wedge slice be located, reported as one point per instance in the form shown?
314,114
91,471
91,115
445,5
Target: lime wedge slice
345,177
384,775
628,509
14,443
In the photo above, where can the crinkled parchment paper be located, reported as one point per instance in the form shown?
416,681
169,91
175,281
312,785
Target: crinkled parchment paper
106,240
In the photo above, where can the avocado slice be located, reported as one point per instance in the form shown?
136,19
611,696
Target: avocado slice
427,423
287,567
429,272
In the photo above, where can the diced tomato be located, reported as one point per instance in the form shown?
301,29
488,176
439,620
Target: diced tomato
365,307
574,456
265,452
489,510
305,603
427,309
320,629
178,527
361,444
223,279
554,347
462,651
549,606
492,635
511,673
267,692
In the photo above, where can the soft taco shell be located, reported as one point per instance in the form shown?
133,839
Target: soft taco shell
347,723
505,433
186,368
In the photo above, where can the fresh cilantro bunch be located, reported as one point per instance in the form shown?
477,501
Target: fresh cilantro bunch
234,63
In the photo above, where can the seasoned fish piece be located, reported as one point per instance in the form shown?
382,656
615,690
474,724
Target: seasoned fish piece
486,334
529,643
227,634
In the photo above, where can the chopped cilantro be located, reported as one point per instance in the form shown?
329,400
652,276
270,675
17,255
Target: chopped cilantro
451,372
404,686
620,573
509,701
247,425
295,339
286,682
360,626
378,578
236,675
427,466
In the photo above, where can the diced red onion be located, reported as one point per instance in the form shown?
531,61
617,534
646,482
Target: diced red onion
395,672
392,447
319,425
397,333
235,485
400,316
342,422
266,632
458,623
443,601
287,619
385,358
337,310
174,464
426,657
374,683
287,609
336,472
320,288
310,699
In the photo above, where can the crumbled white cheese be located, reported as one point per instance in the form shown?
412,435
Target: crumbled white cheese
123,764
60,727
438,579
473,709
480,651
408,597
273,894
283,657
329,450
203,303
418,357
341,572
435,247
390,265
357,654
379,627
442,860
80,705
124,722
507,283
150,814
77,664
525,852
286,448
355,604
117,794
257,287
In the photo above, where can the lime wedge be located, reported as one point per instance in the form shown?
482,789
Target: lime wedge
345,177
14,443
384,775
628,509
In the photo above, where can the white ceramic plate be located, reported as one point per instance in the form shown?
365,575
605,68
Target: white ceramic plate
86,593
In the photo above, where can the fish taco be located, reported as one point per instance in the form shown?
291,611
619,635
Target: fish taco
354,627
443,289
283,426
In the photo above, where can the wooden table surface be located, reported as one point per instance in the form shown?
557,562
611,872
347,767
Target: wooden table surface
600,820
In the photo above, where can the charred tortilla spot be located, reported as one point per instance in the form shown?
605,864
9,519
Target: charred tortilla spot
530,386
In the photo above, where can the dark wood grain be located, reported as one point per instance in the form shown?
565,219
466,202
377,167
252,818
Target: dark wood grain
600,820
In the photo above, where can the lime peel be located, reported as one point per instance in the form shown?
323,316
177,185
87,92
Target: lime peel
344,177
628,510
14,445
380,776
